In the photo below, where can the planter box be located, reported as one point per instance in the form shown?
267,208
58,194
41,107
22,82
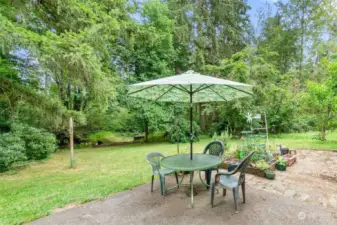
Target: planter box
255,171
250,170
291,158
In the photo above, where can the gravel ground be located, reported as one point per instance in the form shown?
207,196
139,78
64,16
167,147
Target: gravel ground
305,194
312,179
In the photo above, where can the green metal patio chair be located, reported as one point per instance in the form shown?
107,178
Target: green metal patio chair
227,181
154,159
214,148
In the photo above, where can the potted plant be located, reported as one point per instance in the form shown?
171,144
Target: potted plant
270,174
281,164
264,166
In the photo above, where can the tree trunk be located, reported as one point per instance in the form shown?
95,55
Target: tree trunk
325,123
323,133
302,39
146,132
202,118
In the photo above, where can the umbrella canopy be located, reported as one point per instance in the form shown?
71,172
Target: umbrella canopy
178,89
190,87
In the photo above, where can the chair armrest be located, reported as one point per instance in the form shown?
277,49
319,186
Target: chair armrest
226,173
217,176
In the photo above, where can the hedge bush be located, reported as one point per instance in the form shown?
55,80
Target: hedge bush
38,143
12,149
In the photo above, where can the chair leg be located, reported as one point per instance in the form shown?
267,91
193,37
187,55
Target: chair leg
152,183
212,194
175,173
224,192
162,185
208,175
235,197
243,186
238,192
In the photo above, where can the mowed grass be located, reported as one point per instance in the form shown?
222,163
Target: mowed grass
39,188
304,141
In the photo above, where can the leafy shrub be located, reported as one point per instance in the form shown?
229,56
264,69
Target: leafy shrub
38,143
108,137
260,153
224,137
99,136
180,132
12,149
303,123
262,165
156,137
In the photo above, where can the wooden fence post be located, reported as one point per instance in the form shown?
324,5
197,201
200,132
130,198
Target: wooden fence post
71,141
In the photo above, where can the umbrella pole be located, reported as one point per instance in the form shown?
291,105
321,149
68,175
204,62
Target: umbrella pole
191,127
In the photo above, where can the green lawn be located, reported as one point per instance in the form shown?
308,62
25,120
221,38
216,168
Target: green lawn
304,141
35,190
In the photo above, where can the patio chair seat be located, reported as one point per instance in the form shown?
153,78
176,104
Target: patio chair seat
214,148
154,158
163,171
228,181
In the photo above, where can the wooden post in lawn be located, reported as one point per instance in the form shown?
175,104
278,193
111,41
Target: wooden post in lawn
71,141
267,138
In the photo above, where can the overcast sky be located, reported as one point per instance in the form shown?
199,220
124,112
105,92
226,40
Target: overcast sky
256,5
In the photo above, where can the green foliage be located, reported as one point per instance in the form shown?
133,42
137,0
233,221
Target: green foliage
281,161
62,59
38,143
157,137
321,101
225,137
178,126
207,31
108,137
12,149
99,136
177,131
262,165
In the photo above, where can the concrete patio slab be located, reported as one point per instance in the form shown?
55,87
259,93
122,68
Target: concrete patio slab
140,206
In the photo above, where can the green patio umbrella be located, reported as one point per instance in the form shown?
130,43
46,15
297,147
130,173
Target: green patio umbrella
190,87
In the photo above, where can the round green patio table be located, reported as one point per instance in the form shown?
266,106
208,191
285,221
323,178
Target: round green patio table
184,163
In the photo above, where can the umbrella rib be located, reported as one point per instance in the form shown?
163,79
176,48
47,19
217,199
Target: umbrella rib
196,90
164,93
141,90
246,92
218,94
184,90
200,89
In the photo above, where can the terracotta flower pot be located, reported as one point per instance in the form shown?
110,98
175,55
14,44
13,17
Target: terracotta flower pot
291,159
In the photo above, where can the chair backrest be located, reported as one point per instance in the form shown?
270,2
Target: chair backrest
154,159
215,148
242,167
